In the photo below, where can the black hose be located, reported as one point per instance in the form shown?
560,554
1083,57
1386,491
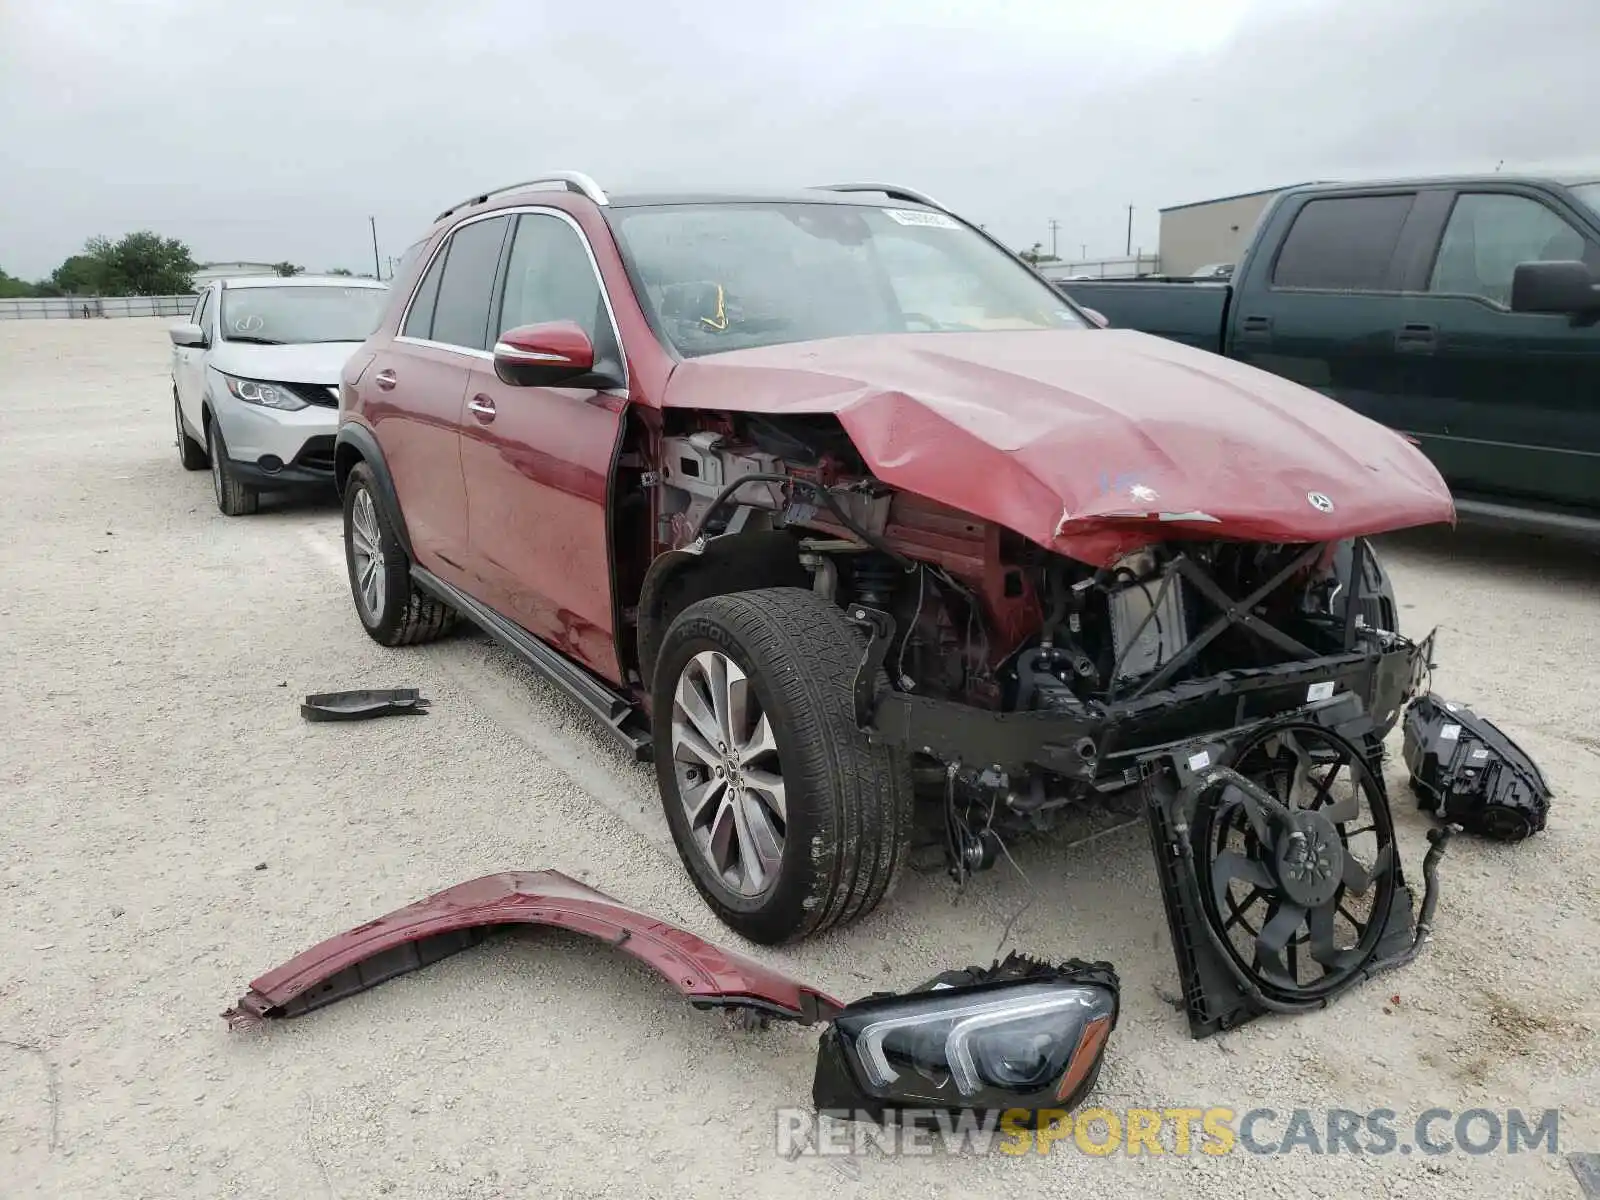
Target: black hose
822,493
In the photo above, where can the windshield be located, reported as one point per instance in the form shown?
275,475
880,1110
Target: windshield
1589,193
733,276
305,313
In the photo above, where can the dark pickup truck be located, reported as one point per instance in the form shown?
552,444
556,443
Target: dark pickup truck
1464,312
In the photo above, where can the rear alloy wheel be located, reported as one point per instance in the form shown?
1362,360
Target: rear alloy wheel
788,819
190,452
393,610
233,498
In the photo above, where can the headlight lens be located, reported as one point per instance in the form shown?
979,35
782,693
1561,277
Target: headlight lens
267,395
1032,1040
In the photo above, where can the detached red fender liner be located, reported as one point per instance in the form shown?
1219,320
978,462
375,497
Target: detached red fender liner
425,932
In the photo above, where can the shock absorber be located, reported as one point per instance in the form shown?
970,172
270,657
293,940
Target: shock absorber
874,577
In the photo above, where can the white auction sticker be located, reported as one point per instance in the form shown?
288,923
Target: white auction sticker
1199,762
1450,733
933,220
1319,691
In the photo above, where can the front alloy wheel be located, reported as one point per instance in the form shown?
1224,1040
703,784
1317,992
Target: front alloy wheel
788,818
729,778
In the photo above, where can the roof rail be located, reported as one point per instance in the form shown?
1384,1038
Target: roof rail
575,181
891,190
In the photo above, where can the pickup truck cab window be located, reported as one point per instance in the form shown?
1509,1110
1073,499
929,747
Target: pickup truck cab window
1489,233
1343,243
461,314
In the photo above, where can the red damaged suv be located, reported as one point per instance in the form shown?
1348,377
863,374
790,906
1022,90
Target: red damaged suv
833,507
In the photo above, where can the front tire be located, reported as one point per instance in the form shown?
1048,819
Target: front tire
234,499
393,610
788,819
190,452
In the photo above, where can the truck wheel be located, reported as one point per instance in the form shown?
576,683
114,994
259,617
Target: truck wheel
190,452
233,497
789,820
393,610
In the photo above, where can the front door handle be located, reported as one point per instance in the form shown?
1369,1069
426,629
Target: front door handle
1416,337
481,407
385,380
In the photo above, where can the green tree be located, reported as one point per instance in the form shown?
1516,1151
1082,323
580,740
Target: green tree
287,269
80,275
340,271
12,287
140,264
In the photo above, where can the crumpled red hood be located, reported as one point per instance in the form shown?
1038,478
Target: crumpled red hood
1090,443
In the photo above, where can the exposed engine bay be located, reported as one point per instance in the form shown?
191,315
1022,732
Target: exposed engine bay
1024,681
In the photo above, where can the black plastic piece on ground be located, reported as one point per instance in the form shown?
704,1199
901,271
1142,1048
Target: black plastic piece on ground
1466,771
363,705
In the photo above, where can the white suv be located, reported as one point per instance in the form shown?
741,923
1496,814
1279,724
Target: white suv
255,380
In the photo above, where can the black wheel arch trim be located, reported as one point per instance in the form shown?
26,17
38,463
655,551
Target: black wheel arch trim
360,439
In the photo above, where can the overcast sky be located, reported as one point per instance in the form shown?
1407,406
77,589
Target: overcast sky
273,130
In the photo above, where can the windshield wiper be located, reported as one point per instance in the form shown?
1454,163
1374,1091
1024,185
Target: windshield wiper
254,341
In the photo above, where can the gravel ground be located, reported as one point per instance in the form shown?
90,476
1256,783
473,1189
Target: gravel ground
172,828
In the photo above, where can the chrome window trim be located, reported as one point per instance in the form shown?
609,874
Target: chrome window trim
537,210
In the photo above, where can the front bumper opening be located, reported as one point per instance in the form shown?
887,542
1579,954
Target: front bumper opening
1101,744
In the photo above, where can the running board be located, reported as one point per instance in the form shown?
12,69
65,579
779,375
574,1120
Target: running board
1551,522
619,715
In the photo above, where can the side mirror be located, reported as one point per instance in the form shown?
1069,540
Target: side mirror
1554,287
187,334
1097,317
550,354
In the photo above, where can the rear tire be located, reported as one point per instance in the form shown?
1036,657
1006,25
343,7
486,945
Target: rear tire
393,610
190,452
234,499
846,803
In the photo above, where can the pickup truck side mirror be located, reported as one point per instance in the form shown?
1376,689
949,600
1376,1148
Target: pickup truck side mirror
1554,287
187,334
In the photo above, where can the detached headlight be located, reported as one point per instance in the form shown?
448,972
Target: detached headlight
267,395
1020,1035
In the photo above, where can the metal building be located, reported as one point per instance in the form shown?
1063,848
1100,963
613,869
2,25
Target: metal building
1210,231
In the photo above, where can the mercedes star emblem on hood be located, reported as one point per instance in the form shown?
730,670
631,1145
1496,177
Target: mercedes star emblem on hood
1319,502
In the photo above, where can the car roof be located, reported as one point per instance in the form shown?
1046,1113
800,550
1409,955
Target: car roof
261,281
1534,178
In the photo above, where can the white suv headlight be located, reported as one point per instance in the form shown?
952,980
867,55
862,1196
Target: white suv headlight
267,395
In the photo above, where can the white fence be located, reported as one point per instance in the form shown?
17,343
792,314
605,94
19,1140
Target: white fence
38,307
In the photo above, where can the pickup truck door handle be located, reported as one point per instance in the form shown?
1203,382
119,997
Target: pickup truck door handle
385,380
1256,327
481,407
1416,338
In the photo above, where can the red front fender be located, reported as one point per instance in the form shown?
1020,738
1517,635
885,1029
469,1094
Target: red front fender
448,921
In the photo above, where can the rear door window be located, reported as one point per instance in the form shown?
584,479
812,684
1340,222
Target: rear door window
1489,233
1343,243
461,312
419,320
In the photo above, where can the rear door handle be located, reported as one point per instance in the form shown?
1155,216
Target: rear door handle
385,380
1416,337
1256,326
481,407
